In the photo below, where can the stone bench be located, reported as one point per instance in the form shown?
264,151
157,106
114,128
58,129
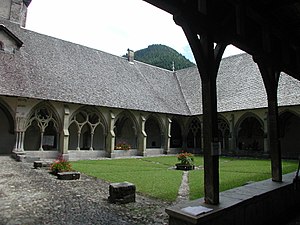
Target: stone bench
121,192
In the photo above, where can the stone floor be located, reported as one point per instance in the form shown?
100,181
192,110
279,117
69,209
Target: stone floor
35,197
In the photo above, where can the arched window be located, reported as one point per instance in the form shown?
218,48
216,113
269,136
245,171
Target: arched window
250,134
86,131
176,135
194,135
7,137
42,130
125,131
224,132
289,127
154,137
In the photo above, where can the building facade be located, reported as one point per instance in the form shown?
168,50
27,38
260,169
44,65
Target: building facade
58,97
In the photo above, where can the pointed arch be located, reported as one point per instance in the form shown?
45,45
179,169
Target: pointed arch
289,128
42,128
126,129
153,129
7,129
194,134
223,132
87,129
176,140
250,133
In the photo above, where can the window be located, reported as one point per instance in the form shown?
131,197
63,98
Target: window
1,46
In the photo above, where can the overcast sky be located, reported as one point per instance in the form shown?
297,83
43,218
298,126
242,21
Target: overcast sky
111,26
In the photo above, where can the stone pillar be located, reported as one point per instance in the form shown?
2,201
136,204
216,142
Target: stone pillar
110,139
184,140
20,134
168,136
232,139
142,139
64,140
202,145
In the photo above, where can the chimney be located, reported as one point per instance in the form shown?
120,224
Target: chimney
14,10
130,55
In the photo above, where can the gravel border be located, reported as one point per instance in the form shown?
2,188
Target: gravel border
34,197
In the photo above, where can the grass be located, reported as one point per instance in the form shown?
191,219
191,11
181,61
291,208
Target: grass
153,176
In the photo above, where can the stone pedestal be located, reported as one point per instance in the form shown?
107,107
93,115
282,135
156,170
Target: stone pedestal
68,175
184,167
121,193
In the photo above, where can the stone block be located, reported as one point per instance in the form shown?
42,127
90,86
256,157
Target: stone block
40,164
121,192
73,175
37,164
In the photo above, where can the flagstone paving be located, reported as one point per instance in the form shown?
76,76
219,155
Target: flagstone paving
34,197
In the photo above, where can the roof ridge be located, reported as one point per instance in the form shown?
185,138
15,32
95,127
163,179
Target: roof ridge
180,88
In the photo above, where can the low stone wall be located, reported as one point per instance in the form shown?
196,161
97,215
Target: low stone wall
86,154
154,151
257,203
124,153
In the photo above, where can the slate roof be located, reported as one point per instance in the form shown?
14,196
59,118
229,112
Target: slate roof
239,86
52,69
49,68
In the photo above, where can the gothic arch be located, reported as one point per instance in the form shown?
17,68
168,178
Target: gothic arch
194,139
126,129
87,129
7,134
153,129
250,133
42,128
223,132
289,128
176,140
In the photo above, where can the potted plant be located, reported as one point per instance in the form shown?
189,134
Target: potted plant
186,161
122,146
62,168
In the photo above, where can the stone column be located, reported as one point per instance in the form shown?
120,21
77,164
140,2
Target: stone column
142,138
20,133
110,139
202,145
232,139
168,136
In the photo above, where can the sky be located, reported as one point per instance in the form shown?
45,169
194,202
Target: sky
111,26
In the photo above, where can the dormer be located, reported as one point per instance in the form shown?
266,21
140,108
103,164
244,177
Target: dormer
8,41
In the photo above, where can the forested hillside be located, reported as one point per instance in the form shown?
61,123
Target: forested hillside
162,56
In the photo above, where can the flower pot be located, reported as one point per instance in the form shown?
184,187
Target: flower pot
184,167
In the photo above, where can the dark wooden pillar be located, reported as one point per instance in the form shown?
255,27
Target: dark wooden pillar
271,77
208,56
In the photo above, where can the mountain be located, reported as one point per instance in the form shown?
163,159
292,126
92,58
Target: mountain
162,56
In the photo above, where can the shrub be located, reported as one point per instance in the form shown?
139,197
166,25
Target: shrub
60,165
122,146
186,158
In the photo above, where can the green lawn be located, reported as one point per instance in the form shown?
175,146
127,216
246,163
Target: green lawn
153,176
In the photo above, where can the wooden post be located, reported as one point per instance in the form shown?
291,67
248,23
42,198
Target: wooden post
208,57
271,78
